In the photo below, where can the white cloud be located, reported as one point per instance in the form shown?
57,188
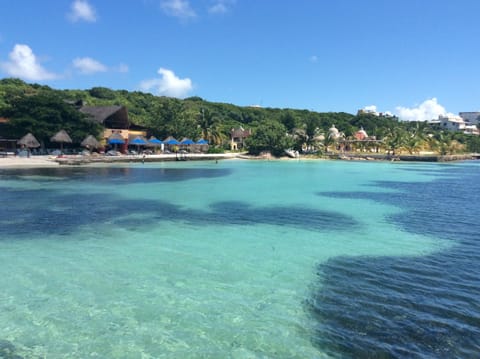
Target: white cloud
426,111
82,10
221,6
178,8
24,64
88,66
168,84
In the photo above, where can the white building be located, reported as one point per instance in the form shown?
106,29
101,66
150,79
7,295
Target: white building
456,123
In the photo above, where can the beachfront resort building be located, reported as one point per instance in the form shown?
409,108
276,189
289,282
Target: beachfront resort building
112,118
238,136
115,121
455,123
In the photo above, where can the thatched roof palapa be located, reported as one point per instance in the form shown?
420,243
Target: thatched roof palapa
61,136
90,142
29,140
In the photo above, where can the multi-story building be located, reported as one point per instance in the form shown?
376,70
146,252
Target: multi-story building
456,123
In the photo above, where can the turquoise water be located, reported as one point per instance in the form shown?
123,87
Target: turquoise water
190,259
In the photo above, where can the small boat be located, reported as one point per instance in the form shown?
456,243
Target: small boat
292,153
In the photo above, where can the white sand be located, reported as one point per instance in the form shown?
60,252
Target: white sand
27,162
53,161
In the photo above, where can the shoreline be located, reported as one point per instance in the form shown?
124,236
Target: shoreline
79,160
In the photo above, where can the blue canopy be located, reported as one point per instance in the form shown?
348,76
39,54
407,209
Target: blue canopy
187,141
171,141
202,142
138,141
155,141
116,141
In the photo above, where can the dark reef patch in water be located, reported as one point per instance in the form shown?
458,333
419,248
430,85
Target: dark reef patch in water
32,213
398,307
422,307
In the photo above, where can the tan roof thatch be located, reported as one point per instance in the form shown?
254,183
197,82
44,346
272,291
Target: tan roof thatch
90,142
109,116
29,140
61,136
100,113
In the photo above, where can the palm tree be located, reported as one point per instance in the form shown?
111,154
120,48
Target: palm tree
416,137
395,139
444,143
208,124
328,141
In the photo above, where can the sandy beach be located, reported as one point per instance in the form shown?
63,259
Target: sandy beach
50,161
30,162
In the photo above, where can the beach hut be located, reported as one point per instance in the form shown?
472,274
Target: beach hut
28,141
61,137
90,142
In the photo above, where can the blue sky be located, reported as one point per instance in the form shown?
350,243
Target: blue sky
413,58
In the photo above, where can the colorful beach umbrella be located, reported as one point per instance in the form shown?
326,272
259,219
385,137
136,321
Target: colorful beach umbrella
202,142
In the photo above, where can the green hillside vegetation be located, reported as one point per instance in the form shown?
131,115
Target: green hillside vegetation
44,111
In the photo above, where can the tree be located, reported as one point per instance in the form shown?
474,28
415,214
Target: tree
473,144
328,141
44,115
416,136
209,126
395,139
102,92
269,136
288,120
444,143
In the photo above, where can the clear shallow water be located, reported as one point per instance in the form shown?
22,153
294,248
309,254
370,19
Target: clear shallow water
237,259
